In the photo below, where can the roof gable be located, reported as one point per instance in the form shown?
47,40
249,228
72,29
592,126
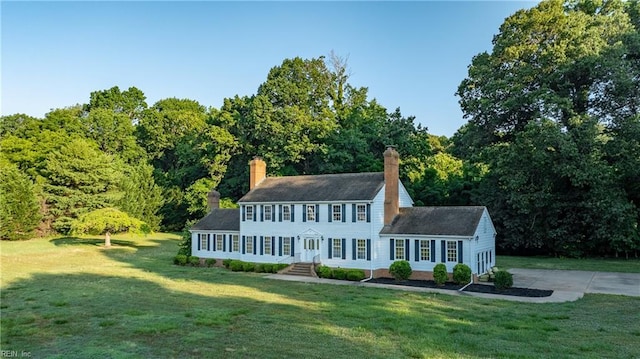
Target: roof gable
317,188
219,219
436,221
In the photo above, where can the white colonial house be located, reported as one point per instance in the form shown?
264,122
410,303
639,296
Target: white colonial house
354,220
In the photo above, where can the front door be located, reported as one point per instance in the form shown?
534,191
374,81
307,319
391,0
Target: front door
311,248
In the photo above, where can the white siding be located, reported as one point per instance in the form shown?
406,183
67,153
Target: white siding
483,244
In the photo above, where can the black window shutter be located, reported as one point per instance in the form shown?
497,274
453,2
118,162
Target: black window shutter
416,251
261,245
280,213
293,212
329,213
443,251
368,249
353,249
391,249
243,244
280,246
432,252
460,252
230,243
273,246
224,242
330,248
406,249
273,213
293,243
344,213
262,213
243,214
353,212
368,212
255,215
199,241
317,213
211,238
304,213
254,244
344,248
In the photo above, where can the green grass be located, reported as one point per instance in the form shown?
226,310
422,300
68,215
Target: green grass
71,298
587,264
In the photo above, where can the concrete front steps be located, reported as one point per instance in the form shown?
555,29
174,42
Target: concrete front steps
300,269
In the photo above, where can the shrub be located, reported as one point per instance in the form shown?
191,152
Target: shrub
355,274
461,273
194,261
210,262
324,272
339,273
259,268
400,270
226,262
280,267
248,266
267,268
180,259
503,280
236,265
440,274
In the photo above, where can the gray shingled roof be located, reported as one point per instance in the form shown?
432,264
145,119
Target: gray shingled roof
436,221
329,187
220,219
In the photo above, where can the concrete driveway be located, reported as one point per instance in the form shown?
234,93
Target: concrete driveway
578,281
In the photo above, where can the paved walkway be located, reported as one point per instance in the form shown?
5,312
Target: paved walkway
567,285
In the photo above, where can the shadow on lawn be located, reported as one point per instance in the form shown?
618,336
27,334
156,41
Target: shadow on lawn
92,241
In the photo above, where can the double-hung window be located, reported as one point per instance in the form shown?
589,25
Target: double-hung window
204,242
336,211
361,211
267,213
311,213
248,246
219,242
452,251
267,245
248,213
235,243
286,246
361,248
337,247
425,250
399,250
286,213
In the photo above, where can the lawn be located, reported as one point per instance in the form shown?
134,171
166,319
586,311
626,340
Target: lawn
589,264
71,298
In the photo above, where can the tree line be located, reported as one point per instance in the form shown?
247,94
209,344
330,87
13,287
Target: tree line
551,146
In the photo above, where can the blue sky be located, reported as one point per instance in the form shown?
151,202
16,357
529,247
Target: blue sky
411,55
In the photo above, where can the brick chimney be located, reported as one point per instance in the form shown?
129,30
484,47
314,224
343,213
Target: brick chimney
213,199
257,172
391,182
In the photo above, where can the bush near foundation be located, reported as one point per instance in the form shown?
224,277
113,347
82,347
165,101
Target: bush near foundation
461,274
400,270
440,274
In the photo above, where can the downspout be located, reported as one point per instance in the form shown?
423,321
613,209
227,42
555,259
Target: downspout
370,273
471,282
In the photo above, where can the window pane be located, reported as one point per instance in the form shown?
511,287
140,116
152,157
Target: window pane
311,213
236,243
452,251
399,249
337,248
286,246
425,250
286,213
337,212
361,249
362,213
267,245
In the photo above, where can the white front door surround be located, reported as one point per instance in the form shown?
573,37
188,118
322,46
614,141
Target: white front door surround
310,246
